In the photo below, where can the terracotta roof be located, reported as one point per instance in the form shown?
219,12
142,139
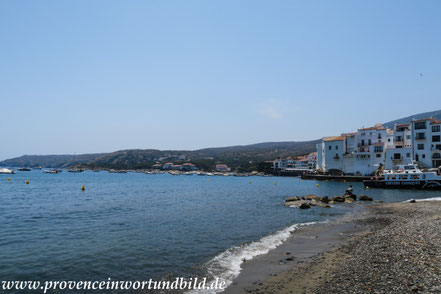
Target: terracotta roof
432,120
379,127
402,125
348,134
333,138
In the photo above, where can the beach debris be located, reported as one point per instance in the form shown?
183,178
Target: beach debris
365,198
412,201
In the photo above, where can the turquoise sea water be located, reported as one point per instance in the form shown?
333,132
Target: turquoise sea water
135,226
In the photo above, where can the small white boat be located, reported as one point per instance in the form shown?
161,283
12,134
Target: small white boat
6,171
51,171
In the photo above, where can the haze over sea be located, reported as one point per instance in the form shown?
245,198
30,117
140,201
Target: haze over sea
135,226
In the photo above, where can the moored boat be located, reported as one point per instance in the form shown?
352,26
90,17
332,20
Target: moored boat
6,171
51,171
24,169
407,177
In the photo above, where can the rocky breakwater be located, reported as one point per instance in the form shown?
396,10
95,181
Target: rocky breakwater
311,200
307,201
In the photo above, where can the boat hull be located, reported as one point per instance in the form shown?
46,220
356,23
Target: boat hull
417,184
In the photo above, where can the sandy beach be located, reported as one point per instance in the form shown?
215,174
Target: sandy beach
381,248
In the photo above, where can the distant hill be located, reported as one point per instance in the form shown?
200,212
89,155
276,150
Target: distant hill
48,160
242,158
433,114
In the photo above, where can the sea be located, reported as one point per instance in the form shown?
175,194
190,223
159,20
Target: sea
137,226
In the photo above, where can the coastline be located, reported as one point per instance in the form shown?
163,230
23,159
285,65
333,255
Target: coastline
385,248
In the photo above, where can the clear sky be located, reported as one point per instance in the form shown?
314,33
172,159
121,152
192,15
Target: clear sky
99,76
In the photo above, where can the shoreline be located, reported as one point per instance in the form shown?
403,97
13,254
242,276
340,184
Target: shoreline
357,253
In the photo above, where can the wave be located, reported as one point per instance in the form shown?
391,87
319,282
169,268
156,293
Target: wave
227,265
425,199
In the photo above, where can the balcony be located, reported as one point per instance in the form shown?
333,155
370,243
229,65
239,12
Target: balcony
436,148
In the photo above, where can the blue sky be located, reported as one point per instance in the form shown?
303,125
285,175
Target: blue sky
99,76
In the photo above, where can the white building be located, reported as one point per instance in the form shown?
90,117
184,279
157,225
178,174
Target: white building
426,142
360,153
370,149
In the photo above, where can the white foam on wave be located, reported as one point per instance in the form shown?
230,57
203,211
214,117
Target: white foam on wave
425,199
227,265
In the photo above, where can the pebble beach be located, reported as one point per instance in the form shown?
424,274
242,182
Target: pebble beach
396,248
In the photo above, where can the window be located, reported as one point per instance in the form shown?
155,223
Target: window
378,149
420,136
407,154
336,147
399,139
330,147
408,137
370,142
397,156
378,155
420,146
379,136
420,125
435,129
436,155
436,138
424,155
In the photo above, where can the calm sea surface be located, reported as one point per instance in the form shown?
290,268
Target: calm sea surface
135,226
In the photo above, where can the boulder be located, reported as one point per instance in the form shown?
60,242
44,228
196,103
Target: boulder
325,199
331,202
349,200
293,198
295,203
353,196
311,196
304,206
315,202
365,198
338,199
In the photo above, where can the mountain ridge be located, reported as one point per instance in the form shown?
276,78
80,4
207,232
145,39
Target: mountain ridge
239,157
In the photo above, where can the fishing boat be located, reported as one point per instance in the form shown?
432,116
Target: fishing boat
24,169
6,171
407,177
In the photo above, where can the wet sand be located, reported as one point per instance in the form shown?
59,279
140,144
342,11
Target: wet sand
386,248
